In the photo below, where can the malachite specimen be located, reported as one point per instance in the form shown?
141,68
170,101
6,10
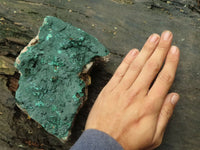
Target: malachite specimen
50,89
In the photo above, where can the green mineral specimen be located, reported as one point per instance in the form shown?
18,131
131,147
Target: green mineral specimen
50,89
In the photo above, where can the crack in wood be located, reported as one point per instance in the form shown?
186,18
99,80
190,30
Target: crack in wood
114,53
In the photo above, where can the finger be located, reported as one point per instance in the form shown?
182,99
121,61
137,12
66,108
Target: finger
121,70
165,78
166,113
153,65
136,66
163,118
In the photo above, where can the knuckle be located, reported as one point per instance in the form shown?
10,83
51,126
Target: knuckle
135,67
153,65
127,60
165,77
166,113
149,107
118,74
131,94
163,46
148,47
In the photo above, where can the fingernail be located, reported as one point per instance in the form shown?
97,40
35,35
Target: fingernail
133,52
174,99
173,49
153,38
166,35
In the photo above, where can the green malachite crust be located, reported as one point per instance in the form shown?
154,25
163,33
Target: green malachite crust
50,89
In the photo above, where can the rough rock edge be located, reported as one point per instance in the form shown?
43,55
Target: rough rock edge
84,75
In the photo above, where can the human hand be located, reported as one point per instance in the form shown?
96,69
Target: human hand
133,108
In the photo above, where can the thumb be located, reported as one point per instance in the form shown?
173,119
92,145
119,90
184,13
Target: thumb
164,116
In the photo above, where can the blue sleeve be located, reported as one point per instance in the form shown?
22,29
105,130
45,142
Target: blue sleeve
92,139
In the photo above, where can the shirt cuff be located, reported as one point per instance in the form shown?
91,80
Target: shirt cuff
92,139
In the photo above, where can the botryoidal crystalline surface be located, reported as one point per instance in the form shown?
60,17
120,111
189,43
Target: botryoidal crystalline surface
50,89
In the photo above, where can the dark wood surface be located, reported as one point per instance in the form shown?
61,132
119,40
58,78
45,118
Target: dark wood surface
120,25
